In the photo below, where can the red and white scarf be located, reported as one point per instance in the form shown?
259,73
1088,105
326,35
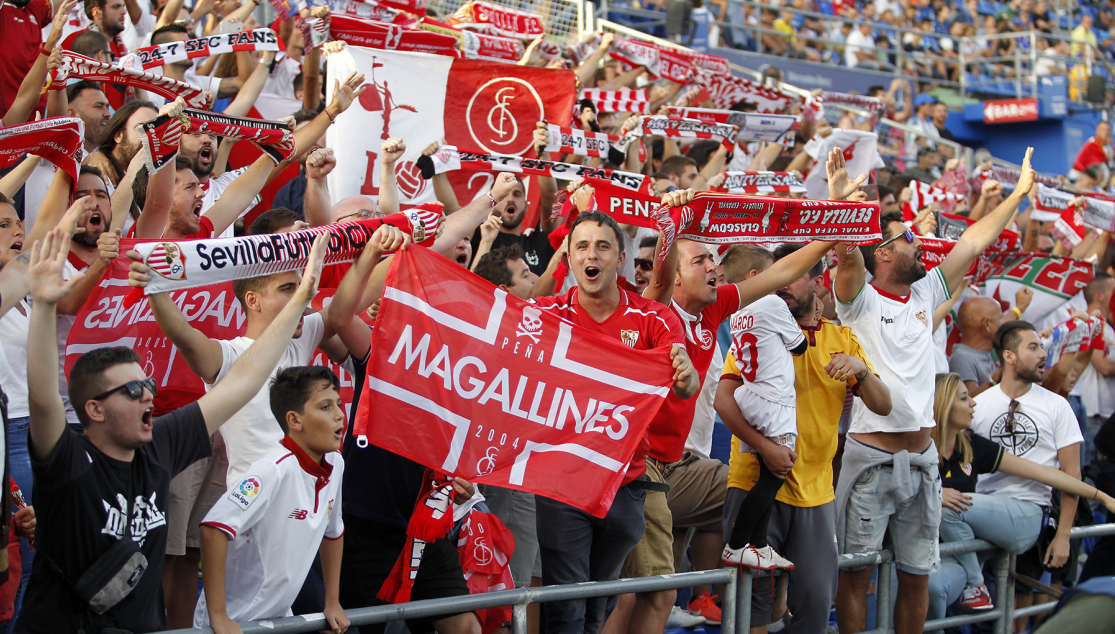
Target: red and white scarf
315,32
954,181
274,138
58,140
761,183
863,102
431,520
630,53
1008,177
679,128
190,263
724,219
449,158
495,19
579,142
485,547
375,34
729,90
160,138
769,128
494,48
922,194
170,52
617,100
579,51
79,66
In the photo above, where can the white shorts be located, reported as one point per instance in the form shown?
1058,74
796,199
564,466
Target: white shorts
774,420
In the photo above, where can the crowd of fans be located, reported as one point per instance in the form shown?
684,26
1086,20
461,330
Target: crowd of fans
854,428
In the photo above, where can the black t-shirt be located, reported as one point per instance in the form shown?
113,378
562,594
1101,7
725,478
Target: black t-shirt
379,486
535,243
986,456
1105,439
81,502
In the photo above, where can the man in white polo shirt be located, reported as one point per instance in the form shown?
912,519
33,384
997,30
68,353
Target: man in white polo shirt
889,479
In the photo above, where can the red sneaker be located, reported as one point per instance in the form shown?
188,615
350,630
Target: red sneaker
975,599
704,606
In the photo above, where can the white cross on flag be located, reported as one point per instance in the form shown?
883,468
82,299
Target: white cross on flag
473,382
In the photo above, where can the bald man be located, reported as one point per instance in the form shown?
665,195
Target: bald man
355,208
972,359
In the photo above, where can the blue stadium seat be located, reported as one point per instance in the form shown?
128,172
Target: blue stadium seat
984,7
1065,22
826,7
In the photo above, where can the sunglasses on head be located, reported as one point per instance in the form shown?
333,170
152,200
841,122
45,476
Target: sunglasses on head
134,389
644,264
909,235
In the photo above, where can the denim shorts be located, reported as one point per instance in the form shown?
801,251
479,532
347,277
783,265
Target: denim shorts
911,523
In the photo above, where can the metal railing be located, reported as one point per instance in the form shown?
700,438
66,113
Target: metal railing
735,607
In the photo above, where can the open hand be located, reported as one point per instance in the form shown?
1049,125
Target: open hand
955,500
48,260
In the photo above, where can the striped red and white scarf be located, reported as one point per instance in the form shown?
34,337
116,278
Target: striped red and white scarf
494,19
761,183
922,194
315,32
494,48
680,128
618,100
1007,177
727,90
579,142
160,138
770,128
58,140
272,137
170,52
79,66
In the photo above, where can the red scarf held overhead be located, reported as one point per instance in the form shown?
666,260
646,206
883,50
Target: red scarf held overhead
579,142
79,66
273,138
677,127
160,138
58,140
431,520
170,52
494,19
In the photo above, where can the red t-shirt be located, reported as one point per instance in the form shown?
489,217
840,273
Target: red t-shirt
642,322
117,94
1091,152
21,31
671,425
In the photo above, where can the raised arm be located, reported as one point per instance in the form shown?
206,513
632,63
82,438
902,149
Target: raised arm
660,288
11,182
108,248
239,194
252,87
587,70
984,232
317,206
153,218
783,272
461,223
48,417
23,107
251,370
391,151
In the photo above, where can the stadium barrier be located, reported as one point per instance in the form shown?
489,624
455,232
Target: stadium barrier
736,612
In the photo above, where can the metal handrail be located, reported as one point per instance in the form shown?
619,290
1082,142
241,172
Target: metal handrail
736,607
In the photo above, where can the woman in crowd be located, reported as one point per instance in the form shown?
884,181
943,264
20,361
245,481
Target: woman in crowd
1004,521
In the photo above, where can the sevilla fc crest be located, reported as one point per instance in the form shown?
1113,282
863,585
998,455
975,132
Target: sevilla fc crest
497,113
167,260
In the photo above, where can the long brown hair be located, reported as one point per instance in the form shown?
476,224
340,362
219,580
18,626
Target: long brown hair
943,399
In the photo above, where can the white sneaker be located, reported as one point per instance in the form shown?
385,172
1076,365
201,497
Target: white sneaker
732,556
756,558
777,562
680,617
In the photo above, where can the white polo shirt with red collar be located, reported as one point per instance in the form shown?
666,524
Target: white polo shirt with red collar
275,517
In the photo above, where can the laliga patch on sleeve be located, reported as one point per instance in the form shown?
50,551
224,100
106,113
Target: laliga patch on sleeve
246,492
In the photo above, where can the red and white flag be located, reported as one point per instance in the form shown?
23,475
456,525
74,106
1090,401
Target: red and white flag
428,99
498,392
923,194
861,153
618,100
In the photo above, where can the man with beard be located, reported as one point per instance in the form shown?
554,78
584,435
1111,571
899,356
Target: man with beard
1033,423
87,102
184,70
118,142
109,18
802,523
21,30
535,242
889,473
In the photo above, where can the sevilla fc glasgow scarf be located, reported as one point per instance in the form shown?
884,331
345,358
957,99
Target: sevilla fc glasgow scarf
57,140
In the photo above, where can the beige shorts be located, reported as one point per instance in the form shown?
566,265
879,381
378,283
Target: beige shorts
192,493
654,554
697,489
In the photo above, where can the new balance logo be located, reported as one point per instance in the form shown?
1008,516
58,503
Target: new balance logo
298,514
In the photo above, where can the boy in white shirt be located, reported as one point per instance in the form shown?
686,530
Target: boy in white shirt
290,498
764,334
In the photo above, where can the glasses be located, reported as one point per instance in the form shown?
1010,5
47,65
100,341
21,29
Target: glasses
134,389
1012,409
363,213
644,264
909,235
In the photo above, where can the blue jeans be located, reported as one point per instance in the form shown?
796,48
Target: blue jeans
20,461
945,586
1004,521
1082,419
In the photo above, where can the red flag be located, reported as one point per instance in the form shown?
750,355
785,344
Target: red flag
498,392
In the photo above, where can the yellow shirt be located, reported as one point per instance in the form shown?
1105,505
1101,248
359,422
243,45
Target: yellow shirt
820,402
1081,34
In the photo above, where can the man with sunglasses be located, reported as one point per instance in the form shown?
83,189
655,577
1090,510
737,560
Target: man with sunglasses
118,472
889,480
1031,422
644,263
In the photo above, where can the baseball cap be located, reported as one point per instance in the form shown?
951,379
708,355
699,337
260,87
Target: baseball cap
923,99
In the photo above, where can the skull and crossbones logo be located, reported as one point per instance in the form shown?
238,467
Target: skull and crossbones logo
531,325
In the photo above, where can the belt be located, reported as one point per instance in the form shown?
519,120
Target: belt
649,485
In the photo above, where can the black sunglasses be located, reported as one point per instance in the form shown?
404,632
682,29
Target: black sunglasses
909,235
644,264
134,389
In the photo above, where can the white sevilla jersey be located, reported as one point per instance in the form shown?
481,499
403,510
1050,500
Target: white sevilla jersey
763,333
861,153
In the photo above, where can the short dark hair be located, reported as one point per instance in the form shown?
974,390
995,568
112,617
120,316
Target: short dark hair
493,264
106,142
93,4
648,241
1095,286
868,251
74,90
139,183
786,249
89,43
156,37
5,200
741,259
1009,335
304,114
701,151
95,171
676,164
241,286
600,218
291,389
87,376
297,82
744,106
272,220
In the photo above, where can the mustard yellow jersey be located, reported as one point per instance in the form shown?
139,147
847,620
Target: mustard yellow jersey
820,401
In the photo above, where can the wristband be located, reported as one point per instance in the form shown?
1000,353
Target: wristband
493,198
44,50
332,119
1016,311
